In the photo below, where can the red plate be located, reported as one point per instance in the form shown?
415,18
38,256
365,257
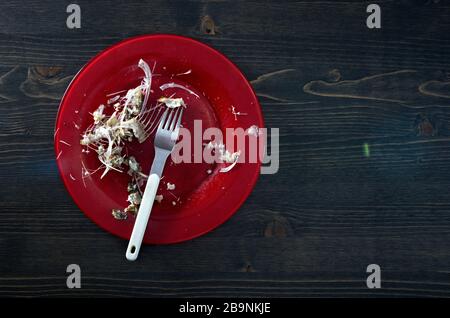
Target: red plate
203,201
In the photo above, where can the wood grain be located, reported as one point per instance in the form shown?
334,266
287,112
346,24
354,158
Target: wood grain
332,87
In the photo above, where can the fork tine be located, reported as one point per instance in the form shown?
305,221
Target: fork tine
177,121
167,123
163,119
151,120
174,120
179,118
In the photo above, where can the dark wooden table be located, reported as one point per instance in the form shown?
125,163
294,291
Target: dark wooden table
327,81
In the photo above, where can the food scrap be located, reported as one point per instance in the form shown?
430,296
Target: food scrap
125,118
235,113
65,143
175,85
253,131
119,214
225,155
108,135
159,198
172,102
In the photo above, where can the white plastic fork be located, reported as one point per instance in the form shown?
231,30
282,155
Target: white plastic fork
165,139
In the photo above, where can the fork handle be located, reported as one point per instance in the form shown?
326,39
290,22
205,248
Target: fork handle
143,215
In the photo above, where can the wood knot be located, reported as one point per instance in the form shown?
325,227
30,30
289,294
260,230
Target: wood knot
424,126
45,82
47,72
276,228
207,25
248,268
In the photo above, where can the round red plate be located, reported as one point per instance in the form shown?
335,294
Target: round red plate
201,200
